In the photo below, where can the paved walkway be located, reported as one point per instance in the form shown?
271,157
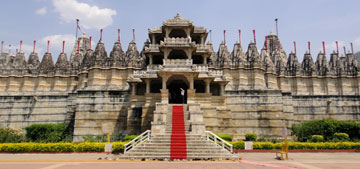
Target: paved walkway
249,160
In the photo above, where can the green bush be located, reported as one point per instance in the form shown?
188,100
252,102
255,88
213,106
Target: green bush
129,137
59,147
8,135
250,137
95,138
341,137
317,138
226,137
326,128
238,145
48,133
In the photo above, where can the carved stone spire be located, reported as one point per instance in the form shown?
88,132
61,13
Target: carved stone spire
351,65
308,66
47,65
213,57
293,66
100,54
117,55
89,59
79,51
252,56
20,61
133,56
33,63
62,64
321,65
223,56
237,55
335,65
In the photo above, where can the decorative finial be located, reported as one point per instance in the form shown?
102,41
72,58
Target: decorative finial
309,46
78,48
63,47
240,36
323,43
2,46
271,32
295,47
119,35
224,37
101,31
20,46
48,46
34,46
337,47
90,42
254,36
178,15
133,34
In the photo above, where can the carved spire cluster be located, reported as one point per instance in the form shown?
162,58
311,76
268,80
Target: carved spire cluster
82,58
273,59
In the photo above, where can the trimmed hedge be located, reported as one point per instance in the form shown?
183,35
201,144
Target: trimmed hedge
59,147
118,147
48,133
225,137
250,136
239,145
326,128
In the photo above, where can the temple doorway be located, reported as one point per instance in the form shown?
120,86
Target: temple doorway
174,86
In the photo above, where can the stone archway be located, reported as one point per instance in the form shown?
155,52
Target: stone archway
173,85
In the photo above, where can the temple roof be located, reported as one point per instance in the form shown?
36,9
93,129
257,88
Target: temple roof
177,21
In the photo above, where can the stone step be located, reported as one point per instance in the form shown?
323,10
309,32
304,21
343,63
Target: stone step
235,157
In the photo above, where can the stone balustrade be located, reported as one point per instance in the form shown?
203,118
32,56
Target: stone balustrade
183,62
201,68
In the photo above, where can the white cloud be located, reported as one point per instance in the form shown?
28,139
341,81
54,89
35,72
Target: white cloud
91,17
41,11
56,42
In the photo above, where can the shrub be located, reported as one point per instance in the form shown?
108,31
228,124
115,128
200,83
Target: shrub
8,135
341,137
226,137
129,137
250,137
95,138
238,145
326,128
317,138
59,147
47,133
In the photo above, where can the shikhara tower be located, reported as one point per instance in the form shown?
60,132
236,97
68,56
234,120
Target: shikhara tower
128,92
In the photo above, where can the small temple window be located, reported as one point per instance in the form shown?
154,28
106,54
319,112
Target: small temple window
158,59
197,59
177,54
215,89
196,39
177,33
140,89
199,85
155,86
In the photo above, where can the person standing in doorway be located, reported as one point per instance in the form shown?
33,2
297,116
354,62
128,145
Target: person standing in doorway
182,92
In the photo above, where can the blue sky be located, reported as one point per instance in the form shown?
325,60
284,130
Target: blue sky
300,21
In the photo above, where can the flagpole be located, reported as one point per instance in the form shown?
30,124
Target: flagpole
77,27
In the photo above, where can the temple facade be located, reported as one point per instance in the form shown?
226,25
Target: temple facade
128,92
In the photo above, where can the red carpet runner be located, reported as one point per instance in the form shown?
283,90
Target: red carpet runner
178,137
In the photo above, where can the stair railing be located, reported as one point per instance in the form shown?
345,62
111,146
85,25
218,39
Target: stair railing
210,136
145,136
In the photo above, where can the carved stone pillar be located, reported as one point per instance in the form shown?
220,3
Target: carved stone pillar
153,39
147,81
207,85
222,89
133,89
150,59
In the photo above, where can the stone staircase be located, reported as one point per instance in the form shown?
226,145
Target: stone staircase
198,146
